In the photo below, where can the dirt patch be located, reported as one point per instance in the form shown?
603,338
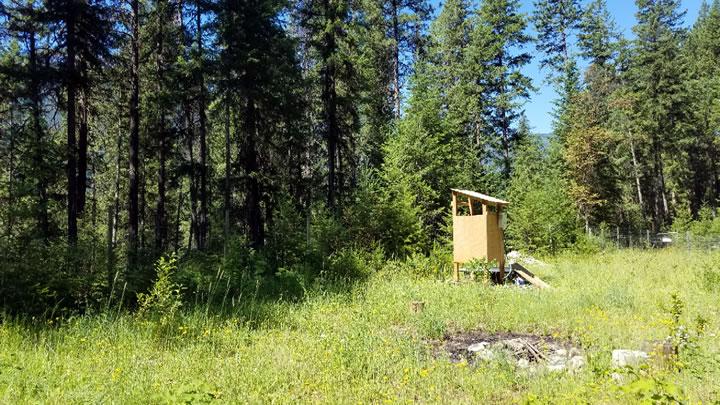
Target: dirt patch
479,345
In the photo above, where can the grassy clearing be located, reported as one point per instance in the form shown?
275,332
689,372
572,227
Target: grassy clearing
366,346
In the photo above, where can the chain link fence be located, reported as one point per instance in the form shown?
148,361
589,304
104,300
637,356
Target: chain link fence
649,240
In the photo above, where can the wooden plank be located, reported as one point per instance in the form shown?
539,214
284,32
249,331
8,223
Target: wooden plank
528,276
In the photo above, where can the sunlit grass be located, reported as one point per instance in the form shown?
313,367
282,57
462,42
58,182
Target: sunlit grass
367,346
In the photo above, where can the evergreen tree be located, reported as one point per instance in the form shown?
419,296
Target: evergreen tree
542,215
28,80
656,79
325,27
556,22
258,59
84,28
407,20
598,35
507,87
703,56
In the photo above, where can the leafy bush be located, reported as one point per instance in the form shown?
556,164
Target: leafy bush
51,278
709,276
386,214
705,224
163,301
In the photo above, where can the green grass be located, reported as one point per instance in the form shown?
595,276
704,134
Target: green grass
366,346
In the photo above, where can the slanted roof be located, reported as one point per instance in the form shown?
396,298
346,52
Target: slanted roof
480,196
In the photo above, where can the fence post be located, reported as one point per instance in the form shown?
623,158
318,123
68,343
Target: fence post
647,235
617,236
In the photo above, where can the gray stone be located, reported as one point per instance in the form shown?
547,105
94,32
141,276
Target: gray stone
617,377
556,362
625,357
523,363
574,351
576,363
476,347
485,355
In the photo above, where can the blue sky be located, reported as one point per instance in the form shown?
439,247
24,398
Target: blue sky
539,108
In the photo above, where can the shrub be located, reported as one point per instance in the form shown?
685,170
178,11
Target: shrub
163,301
542,217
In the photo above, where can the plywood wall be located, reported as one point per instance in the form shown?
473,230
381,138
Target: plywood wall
478,236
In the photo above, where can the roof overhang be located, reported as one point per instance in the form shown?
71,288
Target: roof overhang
479,196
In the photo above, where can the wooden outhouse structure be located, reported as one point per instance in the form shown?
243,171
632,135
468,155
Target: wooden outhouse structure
478,224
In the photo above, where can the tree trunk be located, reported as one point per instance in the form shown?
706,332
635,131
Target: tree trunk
226,190
202,135
190,144
41,211
160,220
11,172
134,144
71,89
180,203
253,216
116,193
636,173
82,151
329,97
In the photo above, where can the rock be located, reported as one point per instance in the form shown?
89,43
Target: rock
481,351
476,347
624,358
523,363
576,363
556,362
574,352
485,355
516,345
515,256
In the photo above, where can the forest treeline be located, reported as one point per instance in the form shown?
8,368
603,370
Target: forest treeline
271,142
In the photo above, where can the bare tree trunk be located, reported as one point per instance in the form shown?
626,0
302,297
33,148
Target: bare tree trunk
329,97
116,193
160,220
71,89
190,145
203,229
41,213
11,173
82,151
226,190
253,216
181,194
636,172
134,144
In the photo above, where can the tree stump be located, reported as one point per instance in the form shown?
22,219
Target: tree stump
417,306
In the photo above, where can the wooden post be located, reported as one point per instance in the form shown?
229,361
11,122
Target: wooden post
647,236
470,206
456,272
617,236
454,204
